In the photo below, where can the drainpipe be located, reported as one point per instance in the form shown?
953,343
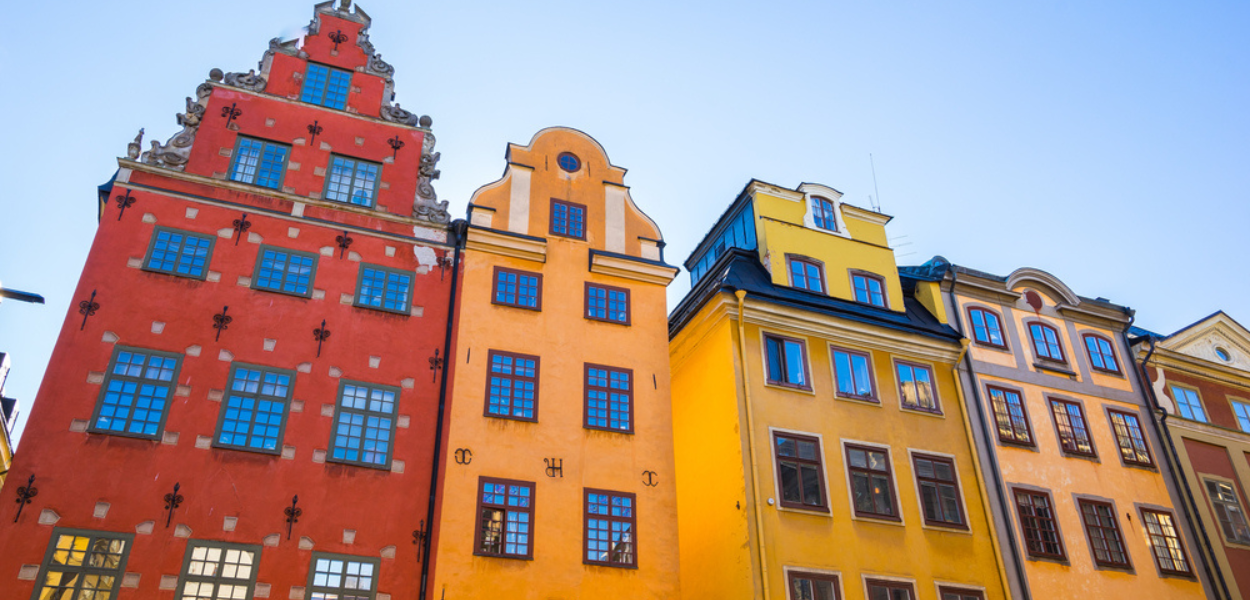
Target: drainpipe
755,480
990,453
1174,461
459,229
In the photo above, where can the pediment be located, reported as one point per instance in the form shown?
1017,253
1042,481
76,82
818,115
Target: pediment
1217,338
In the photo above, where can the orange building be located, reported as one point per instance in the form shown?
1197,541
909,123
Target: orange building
559,474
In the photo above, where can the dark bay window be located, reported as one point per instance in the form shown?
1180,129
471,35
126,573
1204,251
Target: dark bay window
939,491
1130,438
787,361
568,219
611,528
806,274
869,288
1010,416
505,518
872,485
1101,354
521,289
1103,529
799,472
326,86
607,303
853,374
987,328
1046,342
137,392
1037,519
1074,437
512,386
259,162
181,253
916,389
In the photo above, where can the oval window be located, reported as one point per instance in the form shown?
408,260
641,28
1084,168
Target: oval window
1223,354
569,162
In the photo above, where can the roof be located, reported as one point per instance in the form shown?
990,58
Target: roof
936,268
739,269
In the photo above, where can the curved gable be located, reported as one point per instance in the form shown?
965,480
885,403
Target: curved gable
1047,284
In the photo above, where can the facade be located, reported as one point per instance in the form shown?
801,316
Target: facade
560,480
1084,500
1200,384
242,406
8,418
822,444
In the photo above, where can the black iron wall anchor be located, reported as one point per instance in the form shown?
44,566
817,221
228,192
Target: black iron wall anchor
292,515
338,37
555,467
24,494
395,143
436,363
172,500
321,334
221,322
87,309
124,202
464,456
313,130
344,241
241,225
650,480
418,538
231,113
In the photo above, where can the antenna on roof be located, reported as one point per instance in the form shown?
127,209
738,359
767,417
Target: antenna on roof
877,204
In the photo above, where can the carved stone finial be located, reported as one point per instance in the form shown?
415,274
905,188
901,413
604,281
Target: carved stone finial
379,66
425,121
133,148
395,114
175,152
345,5
248,81
215,74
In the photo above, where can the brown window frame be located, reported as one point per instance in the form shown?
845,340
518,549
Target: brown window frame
587,387
890,585
885,291
960,593
872,396
1085,337
490,374
798,462
1066,445
1180,542
869,471
1063,354
953,483
1026,528
1119,440
1114,529
494,282
819,204
807,261
607,299
833,581
1024,412
1228,528
807,372
937,402
633,528
1002,332
478,538
551,221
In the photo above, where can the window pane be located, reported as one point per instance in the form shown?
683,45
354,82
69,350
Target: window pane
795,372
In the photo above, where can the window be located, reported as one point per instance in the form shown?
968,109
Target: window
799,472
512,386
568,219
889,590
872,485
384,288
1103,530
1037,519
737,232
341,577
823,215
1101,354
806,274
852,372
286,271
950,593
1130,438
518,288
813,586
82,564
352,181
915,384
1188,402
136,392
180,253
609,398
869,289
1165,542
259,162
939,491
1228,511
253,414
787,361
569,162
326,87
611,528
1046,342
1011,417
1241,411
505,516
1070,421
607,303
216,570
364,425
986,327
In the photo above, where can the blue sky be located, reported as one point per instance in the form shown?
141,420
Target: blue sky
1107,143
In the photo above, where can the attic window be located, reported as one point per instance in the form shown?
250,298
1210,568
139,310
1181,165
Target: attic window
569,162
1223,354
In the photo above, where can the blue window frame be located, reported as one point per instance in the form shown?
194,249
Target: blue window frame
352,181
384,289
259,162
286,271
512,387
326,87
253,414
739,232
364,425
180,253
136,392
609,398
518,288
786,361
569,162
1188,402
823,215
1046,342
869,289
806,274
568,219
607,303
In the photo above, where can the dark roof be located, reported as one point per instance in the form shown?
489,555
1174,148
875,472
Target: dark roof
740,270
936,268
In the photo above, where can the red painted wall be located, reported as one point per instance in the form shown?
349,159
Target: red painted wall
1215,460
1214,397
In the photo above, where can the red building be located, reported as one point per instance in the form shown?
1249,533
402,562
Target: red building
263,316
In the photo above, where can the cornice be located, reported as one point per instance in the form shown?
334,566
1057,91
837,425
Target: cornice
1223,433
864,214
344,113
496,242
630,268
1198,367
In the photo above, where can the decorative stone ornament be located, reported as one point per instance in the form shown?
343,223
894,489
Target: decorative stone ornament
427,206
175,152
133,148
395,114
249,81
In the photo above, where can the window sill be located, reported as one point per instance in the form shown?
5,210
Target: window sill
504,556
529,308
988,346
625,323
1079,456
122,434
1020,445
892,521
269,453
606,429
805,510
402,313
1058,560
491,415
956,529
789,388
1054,367
307,296
386,467
591,563
923,412
1106,372
870,401
204,277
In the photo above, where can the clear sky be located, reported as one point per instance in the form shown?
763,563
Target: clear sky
1107,143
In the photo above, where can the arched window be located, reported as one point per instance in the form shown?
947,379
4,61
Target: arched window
823,215
987,328
1046,342
1101,353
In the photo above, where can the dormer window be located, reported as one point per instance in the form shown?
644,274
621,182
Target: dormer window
869,288
823,215
326,87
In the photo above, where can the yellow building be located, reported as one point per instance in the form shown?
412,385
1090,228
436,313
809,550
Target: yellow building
8,417
822,446
1084,499
560,477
